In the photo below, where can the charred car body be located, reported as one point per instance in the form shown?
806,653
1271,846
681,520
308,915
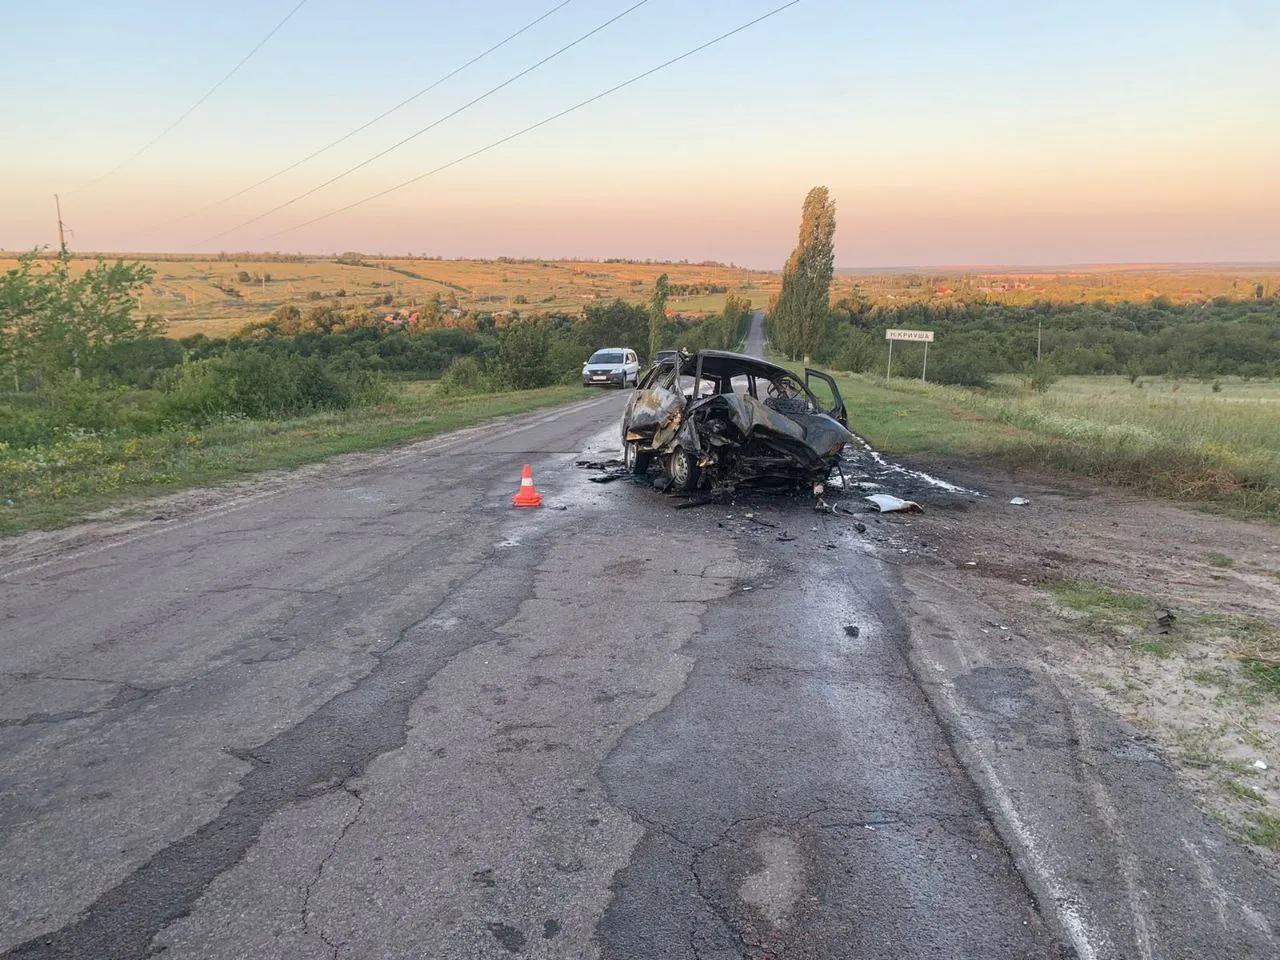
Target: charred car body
719,419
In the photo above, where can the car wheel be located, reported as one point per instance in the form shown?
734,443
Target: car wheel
636,460
683,470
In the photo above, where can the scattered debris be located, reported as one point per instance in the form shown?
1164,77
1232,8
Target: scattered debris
1260,764
695,502
887,504
890,468
1164,621
1019,501
764,523
785,538
599,464
852,630
610,477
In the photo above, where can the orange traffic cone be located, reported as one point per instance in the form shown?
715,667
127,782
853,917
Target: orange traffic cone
528,495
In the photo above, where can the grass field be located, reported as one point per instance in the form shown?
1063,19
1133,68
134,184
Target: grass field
1180,283
208,295
1181,440
47,487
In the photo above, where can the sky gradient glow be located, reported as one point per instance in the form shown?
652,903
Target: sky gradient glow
990,131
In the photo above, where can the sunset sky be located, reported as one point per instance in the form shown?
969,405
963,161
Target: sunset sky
983,132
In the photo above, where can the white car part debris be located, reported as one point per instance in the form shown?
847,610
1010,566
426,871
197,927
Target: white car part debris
887,504
1019,501
1260,764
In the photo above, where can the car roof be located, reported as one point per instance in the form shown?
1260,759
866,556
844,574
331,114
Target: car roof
719,363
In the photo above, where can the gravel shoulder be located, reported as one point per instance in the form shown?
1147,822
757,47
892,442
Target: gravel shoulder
1034,633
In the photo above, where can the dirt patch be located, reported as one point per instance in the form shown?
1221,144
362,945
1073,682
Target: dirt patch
1084,577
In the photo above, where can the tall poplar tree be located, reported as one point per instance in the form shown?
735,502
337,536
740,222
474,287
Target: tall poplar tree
800,311
658,314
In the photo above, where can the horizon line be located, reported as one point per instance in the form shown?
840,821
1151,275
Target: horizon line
46,252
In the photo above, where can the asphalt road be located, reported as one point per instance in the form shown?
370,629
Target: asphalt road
376,712
381,713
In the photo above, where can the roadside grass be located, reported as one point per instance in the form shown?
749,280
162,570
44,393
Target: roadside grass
1243,791
1084,596
1263,829
1215,449
1253,643
86,472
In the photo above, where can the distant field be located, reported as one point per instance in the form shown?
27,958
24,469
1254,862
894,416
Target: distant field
1179,283
210,296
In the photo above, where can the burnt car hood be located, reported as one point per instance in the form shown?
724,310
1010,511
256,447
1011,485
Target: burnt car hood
811,437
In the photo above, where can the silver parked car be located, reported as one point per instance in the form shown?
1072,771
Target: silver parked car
612,367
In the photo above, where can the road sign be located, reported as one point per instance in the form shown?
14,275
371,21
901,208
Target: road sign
920,336
914,336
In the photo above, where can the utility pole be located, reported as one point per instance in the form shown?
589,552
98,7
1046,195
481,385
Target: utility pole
62,240
1039,331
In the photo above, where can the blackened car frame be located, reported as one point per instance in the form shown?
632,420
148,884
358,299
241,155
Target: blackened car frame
720,419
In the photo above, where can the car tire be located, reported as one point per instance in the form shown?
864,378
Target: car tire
683,471
636,460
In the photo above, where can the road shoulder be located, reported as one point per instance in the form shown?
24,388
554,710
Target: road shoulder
1122,840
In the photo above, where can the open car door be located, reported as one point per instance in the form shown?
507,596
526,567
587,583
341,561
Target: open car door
827,392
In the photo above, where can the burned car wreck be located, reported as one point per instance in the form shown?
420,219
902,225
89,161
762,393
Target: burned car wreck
720,419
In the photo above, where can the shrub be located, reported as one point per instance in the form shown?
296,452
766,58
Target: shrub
463,377
254,384
1039,376
960,371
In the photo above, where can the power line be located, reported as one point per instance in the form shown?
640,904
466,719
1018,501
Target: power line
428,127
541,123
382,116
195,106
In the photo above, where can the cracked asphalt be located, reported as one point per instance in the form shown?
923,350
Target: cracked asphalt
370,710
380,713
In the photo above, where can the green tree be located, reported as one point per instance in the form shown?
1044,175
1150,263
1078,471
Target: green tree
658,313
616,324
52,321
800,312
22,304
523,356
733,321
